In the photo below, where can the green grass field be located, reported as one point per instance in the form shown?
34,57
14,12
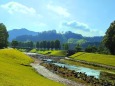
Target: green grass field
33,51
58,53
15,70
96,58
50,52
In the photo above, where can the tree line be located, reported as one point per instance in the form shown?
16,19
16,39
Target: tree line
23,45
46,45
43,45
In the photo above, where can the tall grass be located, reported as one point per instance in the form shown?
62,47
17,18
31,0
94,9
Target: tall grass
15,70
96,58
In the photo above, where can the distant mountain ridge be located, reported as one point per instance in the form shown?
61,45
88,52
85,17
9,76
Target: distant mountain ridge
26,35
19,32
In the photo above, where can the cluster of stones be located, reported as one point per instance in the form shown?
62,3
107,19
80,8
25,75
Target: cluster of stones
82,76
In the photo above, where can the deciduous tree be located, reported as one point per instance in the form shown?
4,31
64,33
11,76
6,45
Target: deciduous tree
14,43
57,44
38,45
3,36
109,38
78,48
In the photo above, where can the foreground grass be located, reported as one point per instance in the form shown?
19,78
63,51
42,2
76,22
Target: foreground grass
50,52
95,58
15,71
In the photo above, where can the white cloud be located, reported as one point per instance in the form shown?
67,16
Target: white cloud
80,28
97,32
59,10
15,7
76,25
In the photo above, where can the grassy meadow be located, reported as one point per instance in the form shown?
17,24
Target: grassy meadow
16,71
50,52
58,53
95,58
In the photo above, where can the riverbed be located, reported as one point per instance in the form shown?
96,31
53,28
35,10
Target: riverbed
50,75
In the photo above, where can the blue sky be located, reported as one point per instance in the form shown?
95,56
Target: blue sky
86,17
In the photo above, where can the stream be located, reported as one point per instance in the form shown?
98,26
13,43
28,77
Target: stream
87,71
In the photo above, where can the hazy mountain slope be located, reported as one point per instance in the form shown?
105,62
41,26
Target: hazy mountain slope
19,32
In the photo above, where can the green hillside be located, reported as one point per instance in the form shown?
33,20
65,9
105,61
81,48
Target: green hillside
15,71
96,58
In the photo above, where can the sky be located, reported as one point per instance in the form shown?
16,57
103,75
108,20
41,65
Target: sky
86,17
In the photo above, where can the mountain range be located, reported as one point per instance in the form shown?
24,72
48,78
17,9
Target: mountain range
67,37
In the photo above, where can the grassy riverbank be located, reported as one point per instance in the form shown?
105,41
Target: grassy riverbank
16,71
50,52
95,58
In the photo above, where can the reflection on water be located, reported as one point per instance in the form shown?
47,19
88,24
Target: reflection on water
88,71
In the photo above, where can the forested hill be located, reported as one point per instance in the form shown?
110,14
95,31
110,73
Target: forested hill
70,37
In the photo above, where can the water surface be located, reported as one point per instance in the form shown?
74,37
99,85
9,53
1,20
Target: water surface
87,71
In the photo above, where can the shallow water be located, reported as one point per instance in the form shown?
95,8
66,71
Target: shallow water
88,71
